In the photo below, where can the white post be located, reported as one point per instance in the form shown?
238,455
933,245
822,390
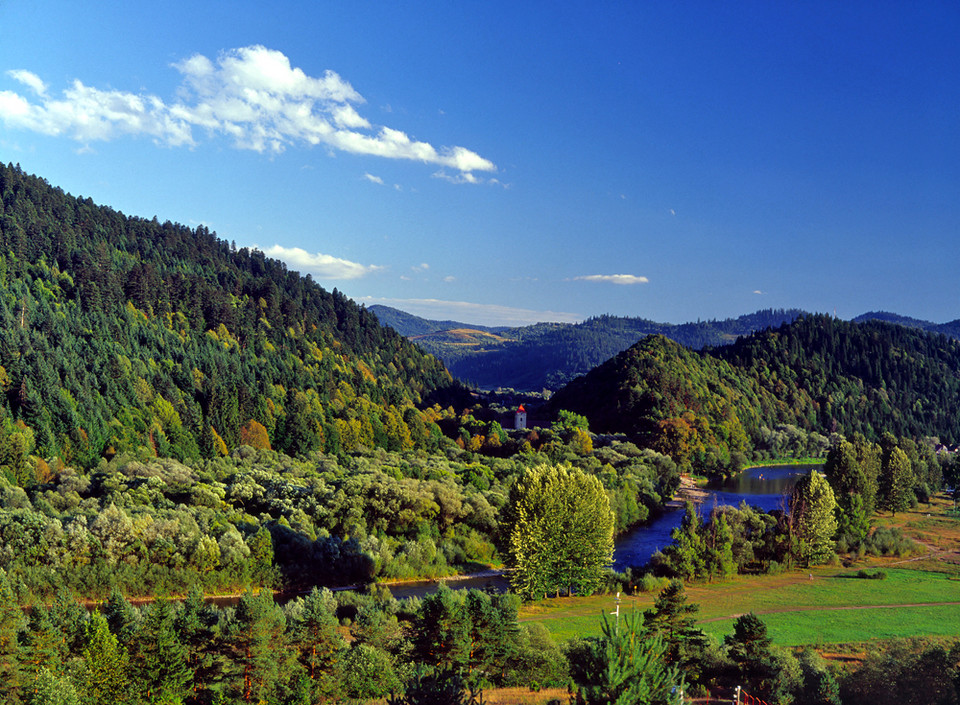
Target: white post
736,697
617,612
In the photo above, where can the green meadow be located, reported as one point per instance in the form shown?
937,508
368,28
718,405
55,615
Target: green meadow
831,607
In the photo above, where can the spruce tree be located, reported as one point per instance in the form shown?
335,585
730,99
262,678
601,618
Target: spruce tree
105,674
162,672
11,653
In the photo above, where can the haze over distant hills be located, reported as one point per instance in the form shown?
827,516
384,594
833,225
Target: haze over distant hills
548,355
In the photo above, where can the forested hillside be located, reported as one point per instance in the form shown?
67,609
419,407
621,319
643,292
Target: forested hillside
817,374
120,334
951,328
548,355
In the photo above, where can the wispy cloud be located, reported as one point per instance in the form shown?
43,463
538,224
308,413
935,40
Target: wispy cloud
373,179
470,312
622,279
251,96
30,80
320,265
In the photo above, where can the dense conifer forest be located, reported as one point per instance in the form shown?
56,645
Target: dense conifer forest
120,333
816,375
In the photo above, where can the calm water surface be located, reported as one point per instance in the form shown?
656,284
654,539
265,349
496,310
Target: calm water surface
766,488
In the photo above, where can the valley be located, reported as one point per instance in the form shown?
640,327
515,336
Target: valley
182,418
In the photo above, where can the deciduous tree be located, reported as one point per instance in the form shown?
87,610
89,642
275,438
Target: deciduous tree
557,532
812,508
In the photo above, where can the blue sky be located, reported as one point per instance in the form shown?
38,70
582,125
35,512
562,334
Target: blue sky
504,162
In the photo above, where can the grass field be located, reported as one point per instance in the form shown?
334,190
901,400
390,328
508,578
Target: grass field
823,605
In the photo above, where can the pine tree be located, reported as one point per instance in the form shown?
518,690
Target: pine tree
105,674
44,646
440,633
673,619
258,639
122,617
52,688
163,674
194,623
750,648
319,641
623,667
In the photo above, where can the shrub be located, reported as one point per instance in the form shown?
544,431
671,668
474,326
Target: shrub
887,541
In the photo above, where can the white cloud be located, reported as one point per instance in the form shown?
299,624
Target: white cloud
29,79
252,96
469,312
622,279
320,265
758,292
422,267
373,179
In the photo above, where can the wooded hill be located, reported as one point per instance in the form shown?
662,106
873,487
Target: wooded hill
178,413
548,355
123,334
817,373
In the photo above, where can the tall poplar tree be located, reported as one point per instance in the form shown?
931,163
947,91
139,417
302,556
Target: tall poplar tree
557,532
812,508
896,480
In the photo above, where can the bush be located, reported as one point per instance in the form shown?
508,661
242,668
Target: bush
651,583
875,575
886,541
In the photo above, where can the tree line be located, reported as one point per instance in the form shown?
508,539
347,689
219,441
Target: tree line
712,410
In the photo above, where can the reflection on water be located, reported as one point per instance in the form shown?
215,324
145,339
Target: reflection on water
765,488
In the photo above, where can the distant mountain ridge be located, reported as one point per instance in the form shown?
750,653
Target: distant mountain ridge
951,328
548,355
817,373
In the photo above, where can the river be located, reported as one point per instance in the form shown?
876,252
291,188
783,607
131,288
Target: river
765,487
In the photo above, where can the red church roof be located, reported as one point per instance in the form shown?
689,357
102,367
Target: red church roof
521,409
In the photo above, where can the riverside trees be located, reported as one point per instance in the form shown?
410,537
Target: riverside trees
557,532
812,508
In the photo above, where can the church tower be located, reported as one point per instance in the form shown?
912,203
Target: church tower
520,420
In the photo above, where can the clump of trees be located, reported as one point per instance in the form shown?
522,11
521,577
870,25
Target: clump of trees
259,651
557,532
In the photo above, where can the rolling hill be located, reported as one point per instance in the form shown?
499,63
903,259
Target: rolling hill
817,373
548,355
121,334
